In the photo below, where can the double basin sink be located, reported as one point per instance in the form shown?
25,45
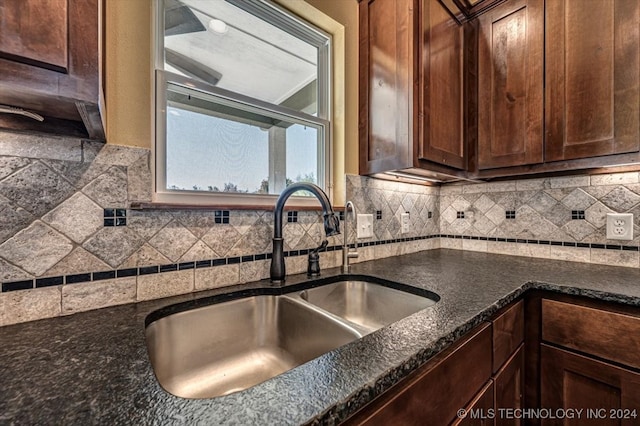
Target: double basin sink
229,346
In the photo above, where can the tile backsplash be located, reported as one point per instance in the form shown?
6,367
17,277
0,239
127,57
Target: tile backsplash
69,241
559,218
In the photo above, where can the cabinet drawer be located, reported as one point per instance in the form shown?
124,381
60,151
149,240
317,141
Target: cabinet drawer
508,333
481,404
434,393
609,335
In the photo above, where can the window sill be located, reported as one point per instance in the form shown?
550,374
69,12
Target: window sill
262,207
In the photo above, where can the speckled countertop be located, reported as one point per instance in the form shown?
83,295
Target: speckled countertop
93,368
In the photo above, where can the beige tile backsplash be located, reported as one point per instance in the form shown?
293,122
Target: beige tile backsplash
53,192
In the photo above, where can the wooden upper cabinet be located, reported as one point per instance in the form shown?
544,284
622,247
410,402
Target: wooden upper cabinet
592,78
442,132
411,87
50,63
510,84
386,84
25,38
464,10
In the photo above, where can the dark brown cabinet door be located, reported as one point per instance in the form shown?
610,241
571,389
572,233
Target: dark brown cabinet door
24,38
49,61
386,84
509,388
478,412
592,78
510,81
442,129
571,381
433,394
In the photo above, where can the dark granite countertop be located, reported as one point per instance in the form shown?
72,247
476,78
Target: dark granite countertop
93,367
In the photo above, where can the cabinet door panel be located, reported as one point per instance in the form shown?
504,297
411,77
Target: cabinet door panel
510,85
593,78
481,405
35,32
435,392
442,130
508,334
571,381
386,73
509,388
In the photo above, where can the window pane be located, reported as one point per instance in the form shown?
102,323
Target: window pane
219,147
221,44
302,154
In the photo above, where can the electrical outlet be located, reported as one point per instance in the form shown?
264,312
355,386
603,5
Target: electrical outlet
365,225
619,226
405,220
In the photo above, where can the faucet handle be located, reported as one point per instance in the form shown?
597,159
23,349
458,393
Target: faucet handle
313,266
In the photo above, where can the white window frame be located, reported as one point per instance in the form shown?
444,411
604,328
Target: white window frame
286,21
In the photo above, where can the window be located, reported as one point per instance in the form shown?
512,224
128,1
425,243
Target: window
242,102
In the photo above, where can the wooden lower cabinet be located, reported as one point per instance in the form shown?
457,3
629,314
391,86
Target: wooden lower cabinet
480,411
607,394
434,393
573,377
509,390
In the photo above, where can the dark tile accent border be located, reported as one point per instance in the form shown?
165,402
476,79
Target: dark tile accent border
77,278
103,275
129,272
169,268
49,281
186,265
17,285
146,270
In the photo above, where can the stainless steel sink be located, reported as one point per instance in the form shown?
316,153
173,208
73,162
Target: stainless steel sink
369,305
227,347
218,349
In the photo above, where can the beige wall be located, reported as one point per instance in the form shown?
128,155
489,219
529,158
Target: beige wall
128,74
346,13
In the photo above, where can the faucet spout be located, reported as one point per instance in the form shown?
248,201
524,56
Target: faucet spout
347,253
331,224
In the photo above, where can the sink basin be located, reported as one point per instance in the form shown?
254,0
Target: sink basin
203,350
369,305
223,348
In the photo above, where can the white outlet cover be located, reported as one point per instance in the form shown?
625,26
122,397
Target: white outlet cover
365,226
620,226
405,220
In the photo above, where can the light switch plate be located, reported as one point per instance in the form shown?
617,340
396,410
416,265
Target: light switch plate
620,226
365,225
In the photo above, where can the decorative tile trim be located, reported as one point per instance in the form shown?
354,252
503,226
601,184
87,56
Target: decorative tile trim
221,216
115,217
543,242
156,269
577,215
209,263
